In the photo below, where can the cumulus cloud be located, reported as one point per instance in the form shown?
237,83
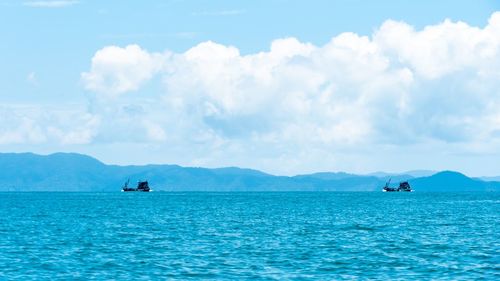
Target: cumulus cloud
441,49
399,85
117,70
401,90
354,89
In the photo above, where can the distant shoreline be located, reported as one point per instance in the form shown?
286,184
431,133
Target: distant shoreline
71,172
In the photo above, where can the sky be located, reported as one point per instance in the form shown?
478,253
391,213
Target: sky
287,87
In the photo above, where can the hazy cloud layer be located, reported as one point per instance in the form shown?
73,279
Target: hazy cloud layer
298,103
35,125
50,4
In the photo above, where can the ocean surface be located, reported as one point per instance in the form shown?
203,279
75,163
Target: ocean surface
241,236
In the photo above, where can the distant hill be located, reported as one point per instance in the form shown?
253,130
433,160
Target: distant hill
77,172
454,182
59,171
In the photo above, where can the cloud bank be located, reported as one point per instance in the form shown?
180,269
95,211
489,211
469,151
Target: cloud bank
400,90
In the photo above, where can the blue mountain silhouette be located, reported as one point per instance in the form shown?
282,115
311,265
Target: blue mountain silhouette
77,172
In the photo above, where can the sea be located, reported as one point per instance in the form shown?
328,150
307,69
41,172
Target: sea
249,236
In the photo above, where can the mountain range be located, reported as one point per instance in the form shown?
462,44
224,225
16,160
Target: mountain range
77,172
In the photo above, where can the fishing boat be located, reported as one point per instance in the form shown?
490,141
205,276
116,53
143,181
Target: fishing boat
404,186
142,186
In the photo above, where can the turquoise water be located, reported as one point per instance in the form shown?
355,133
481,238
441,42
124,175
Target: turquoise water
239,236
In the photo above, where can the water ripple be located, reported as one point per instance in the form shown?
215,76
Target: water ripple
241,236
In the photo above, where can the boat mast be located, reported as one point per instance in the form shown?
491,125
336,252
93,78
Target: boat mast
388,182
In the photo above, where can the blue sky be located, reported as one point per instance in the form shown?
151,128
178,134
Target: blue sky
62,88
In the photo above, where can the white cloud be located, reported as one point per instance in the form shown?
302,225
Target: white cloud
400,86
118,70
441,49
44,124
50,4
297,106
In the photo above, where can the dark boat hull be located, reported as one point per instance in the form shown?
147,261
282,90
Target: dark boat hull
395,190
403,187
142,186
135,190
